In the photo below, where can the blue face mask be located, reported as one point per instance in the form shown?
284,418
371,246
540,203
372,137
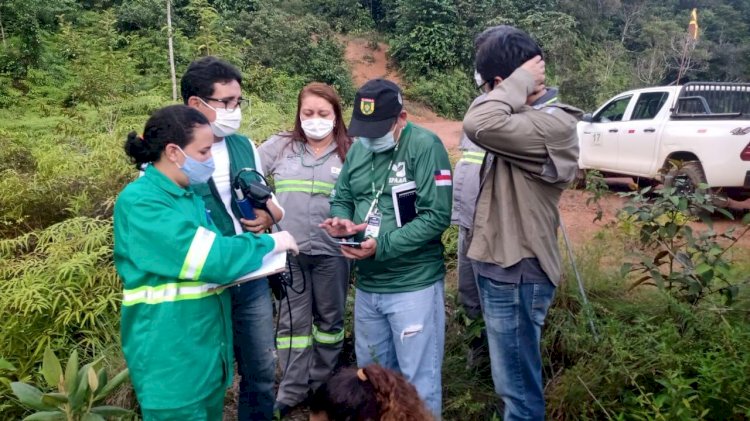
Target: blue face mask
379,144
196,171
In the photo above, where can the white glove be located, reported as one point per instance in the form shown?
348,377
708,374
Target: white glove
283,241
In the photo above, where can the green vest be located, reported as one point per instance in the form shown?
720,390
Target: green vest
240,156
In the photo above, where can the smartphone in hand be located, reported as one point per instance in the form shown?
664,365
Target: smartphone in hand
353,244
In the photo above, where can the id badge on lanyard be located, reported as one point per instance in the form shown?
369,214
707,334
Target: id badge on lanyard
373,224
374,217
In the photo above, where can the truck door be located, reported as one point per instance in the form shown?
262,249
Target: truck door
639,137
599,138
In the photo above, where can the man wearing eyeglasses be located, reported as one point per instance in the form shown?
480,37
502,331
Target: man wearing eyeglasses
214,87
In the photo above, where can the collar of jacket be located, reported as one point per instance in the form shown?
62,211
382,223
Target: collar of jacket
549,97
165,183
405,132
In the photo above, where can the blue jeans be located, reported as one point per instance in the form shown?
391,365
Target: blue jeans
514,315
252,321
404,332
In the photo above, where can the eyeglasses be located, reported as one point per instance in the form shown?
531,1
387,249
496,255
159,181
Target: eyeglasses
231,104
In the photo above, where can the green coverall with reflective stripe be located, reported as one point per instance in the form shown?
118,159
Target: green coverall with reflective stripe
176,327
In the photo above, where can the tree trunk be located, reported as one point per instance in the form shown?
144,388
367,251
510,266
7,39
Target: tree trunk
171,50
2,30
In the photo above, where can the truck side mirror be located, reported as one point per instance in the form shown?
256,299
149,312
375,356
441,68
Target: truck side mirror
588,118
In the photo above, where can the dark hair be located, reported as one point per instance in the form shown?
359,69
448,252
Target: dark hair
383,395
327,92
501,50
172,124
482,37
201,75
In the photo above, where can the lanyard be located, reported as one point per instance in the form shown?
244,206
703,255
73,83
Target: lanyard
318,161
377,194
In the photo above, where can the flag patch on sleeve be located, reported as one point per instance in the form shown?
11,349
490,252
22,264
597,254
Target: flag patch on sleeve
443,178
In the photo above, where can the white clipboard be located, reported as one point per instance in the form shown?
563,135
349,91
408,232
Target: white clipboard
273,263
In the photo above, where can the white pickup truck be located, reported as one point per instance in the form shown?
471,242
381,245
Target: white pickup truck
678,135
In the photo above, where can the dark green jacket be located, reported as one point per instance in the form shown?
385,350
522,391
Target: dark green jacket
409,258
240,156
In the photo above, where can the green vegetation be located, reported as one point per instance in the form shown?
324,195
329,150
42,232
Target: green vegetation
76,76
671,255
660,356
76,391
594,49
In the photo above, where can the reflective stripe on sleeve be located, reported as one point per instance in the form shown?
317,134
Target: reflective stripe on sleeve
473,157
197,254
168,293
327,338
287,342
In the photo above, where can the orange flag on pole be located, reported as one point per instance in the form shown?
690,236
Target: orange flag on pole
693,25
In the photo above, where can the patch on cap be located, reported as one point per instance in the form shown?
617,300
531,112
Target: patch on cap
367,106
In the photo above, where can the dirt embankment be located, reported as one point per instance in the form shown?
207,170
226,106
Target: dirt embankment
369,60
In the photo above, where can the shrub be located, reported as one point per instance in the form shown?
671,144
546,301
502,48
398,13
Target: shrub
75,391
303,46
426,36
344,16
141,14
448,93
71,166
655,354
58,288
670,255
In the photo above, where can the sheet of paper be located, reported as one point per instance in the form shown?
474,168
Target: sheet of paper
272,263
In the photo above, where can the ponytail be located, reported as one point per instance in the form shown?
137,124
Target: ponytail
172,124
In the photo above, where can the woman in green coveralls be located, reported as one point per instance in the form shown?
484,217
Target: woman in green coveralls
176,325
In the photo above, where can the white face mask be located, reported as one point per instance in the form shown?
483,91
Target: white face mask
227,122
478,78
317,128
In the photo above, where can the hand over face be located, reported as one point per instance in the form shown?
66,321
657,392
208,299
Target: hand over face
535,66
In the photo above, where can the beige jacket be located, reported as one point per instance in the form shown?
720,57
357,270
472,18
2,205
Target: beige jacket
533,154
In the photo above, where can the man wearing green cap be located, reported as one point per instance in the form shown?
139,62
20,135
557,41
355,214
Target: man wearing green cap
399,313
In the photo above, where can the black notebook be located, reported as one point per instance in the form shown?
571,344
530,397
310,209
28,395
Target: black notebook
404,202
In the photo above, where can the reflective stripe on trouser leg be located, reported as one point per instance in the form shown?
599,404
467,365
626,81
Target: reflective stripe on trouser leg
293,342
294,337
327,338
331,275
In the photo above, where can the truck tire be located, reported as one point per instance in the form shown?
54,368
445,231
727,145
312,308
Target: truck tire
688,177
579,183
